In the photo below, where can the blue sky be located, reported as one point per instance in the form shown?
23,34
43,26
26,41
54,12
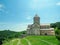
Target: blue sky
17,14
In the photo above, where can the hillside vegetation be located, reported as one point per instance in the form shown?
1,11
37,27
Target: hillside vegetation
33,40
7,35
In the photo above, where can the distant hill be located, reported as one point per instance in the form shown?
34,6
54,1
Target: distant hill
33,40
7,34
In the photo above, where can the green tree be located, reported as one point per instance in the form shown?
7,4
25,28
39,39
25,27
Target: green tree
53,25
58,34
58,25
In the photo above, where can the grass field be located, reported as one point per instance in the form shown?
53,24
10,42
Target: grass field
43,40
33,40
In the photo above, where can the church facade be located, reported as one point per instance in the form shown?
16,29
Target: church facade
39,29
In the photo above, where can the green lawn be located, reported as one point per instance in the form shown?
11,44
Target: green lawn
43,40
24,42
34,40
16,42
11,42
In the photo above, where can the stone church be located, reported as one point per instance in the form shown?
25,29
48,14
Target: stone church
39,29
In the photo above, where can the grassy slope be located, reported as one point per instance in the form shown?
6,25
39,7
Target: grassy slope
35,40
15,42
24,42
43,40
11,42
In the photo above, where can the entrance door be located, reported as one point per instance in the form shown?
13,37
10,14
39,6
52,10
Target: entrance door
45,33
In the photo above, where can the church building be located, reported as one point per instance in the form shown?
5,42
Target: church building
39,29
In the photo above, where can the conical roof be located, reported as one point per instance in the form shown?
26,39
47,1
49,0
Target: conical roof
36,15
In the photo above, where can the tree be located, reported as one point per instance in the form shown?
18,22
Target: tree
58,34
57,30
53,25
58,25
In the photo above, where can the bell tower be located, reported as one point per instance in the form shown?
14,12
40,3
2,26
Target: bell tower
36,25
36,19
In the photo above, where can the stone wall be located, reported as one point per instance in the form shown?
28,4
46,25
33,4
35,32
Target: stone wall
47,32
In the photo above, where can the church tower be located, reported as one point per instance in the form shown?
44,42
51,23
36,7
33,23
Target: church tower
36,19
36,25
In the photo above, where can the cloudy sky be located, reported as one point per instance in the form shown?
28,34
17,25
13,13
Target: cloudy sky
17,14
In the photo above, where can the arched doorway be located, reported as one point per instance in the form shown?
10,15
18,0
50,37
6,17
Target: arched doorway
46,34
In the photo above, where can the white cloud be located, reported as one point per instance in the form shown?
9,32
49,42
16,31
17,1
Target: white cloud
33,4
38,4
28,17
14,26
58,3
1,5
20,27
3,9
